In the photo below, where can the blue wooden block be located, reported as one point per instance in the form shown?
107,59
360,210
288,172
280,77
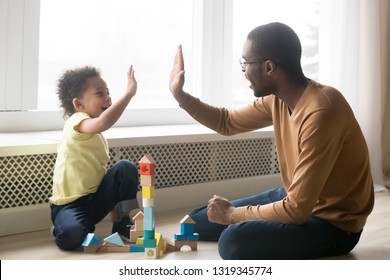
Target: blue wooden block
91,240
149,224
149,234
114,239
149,212
136,248
149,243
192,237
187,229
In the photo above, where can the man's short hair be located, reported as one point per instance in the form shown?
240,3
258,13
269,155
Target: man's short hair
279,43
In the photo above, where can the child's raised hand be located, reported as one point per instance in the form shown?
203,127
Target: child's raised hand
131,82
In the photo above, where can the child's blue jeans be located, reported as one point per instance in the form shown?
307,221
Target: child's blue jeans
75,220
259,239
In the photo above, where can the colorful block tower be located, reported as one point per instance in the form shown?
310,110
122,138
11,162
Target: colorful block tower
147,180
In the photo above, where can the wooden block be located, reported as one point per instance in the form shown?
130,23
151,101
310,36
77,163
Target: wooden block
134,234
148,202
134,248
151,253
118,249
138,222
147,192
187,220
187,229
194,236
114,239
147,159
180,243
140,241
91,249
149,220
146,169
149,234
148,213
149,224
149,243
161,247
169,245
139,217
103,248
148,180
91,240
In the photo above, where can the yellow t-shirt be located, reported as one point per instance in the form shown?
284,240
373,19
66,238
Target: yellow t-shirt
81,162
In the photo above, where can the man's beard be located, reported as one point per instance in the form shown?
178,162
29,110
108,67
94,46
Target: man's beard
262,92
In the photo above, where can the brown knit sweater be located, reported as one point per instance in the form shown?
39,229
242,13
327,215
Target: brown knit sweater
322,152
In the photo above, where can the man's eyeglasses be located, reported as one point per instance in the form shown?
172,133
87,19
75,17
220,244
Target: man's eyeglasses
244,63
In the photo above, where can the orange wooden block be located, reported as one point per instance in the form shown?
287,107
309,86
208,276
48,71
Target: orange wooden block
147,165
146,169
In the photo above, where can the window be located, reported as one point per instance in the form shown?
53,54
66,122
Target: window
247,14
111,35
39,39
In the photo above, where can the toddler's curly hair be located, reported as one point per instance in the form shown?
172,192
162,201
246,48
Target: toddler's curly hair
71,84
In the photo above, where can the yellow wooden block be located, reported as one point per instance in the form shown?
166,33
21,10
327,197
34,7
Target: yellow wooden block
147,192
139,241
160,244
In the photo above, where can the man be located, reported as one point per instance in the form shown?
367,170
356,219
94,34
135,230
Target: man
324,162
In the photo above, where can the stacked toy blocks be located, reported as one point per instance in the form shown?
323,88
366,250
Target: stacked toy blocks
187,236
112,243
143,237
147,181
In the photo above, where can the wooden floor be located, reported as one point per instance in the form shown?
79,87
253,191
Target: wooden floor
374,243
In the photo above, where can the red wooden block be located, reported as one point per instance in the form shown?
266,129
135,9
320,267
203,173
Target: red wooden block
146,169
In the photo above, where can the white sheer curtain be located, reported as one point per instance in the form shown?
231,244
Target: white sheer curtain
385,60
350,61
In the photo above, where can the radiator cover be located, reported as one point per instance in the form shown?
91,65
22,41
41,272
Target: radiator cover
26,180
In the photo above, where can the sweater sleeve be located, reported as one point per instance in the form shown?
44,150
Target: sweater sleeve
320,141
229,122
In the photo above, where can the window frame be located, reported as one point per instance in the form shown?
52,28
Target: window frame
19,47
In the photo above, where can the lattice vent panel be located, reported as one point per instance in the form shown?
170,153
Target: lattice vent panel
27,180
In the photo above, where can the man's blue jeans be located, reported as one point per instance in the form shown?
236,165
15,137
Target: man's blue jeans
259,239
75,220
